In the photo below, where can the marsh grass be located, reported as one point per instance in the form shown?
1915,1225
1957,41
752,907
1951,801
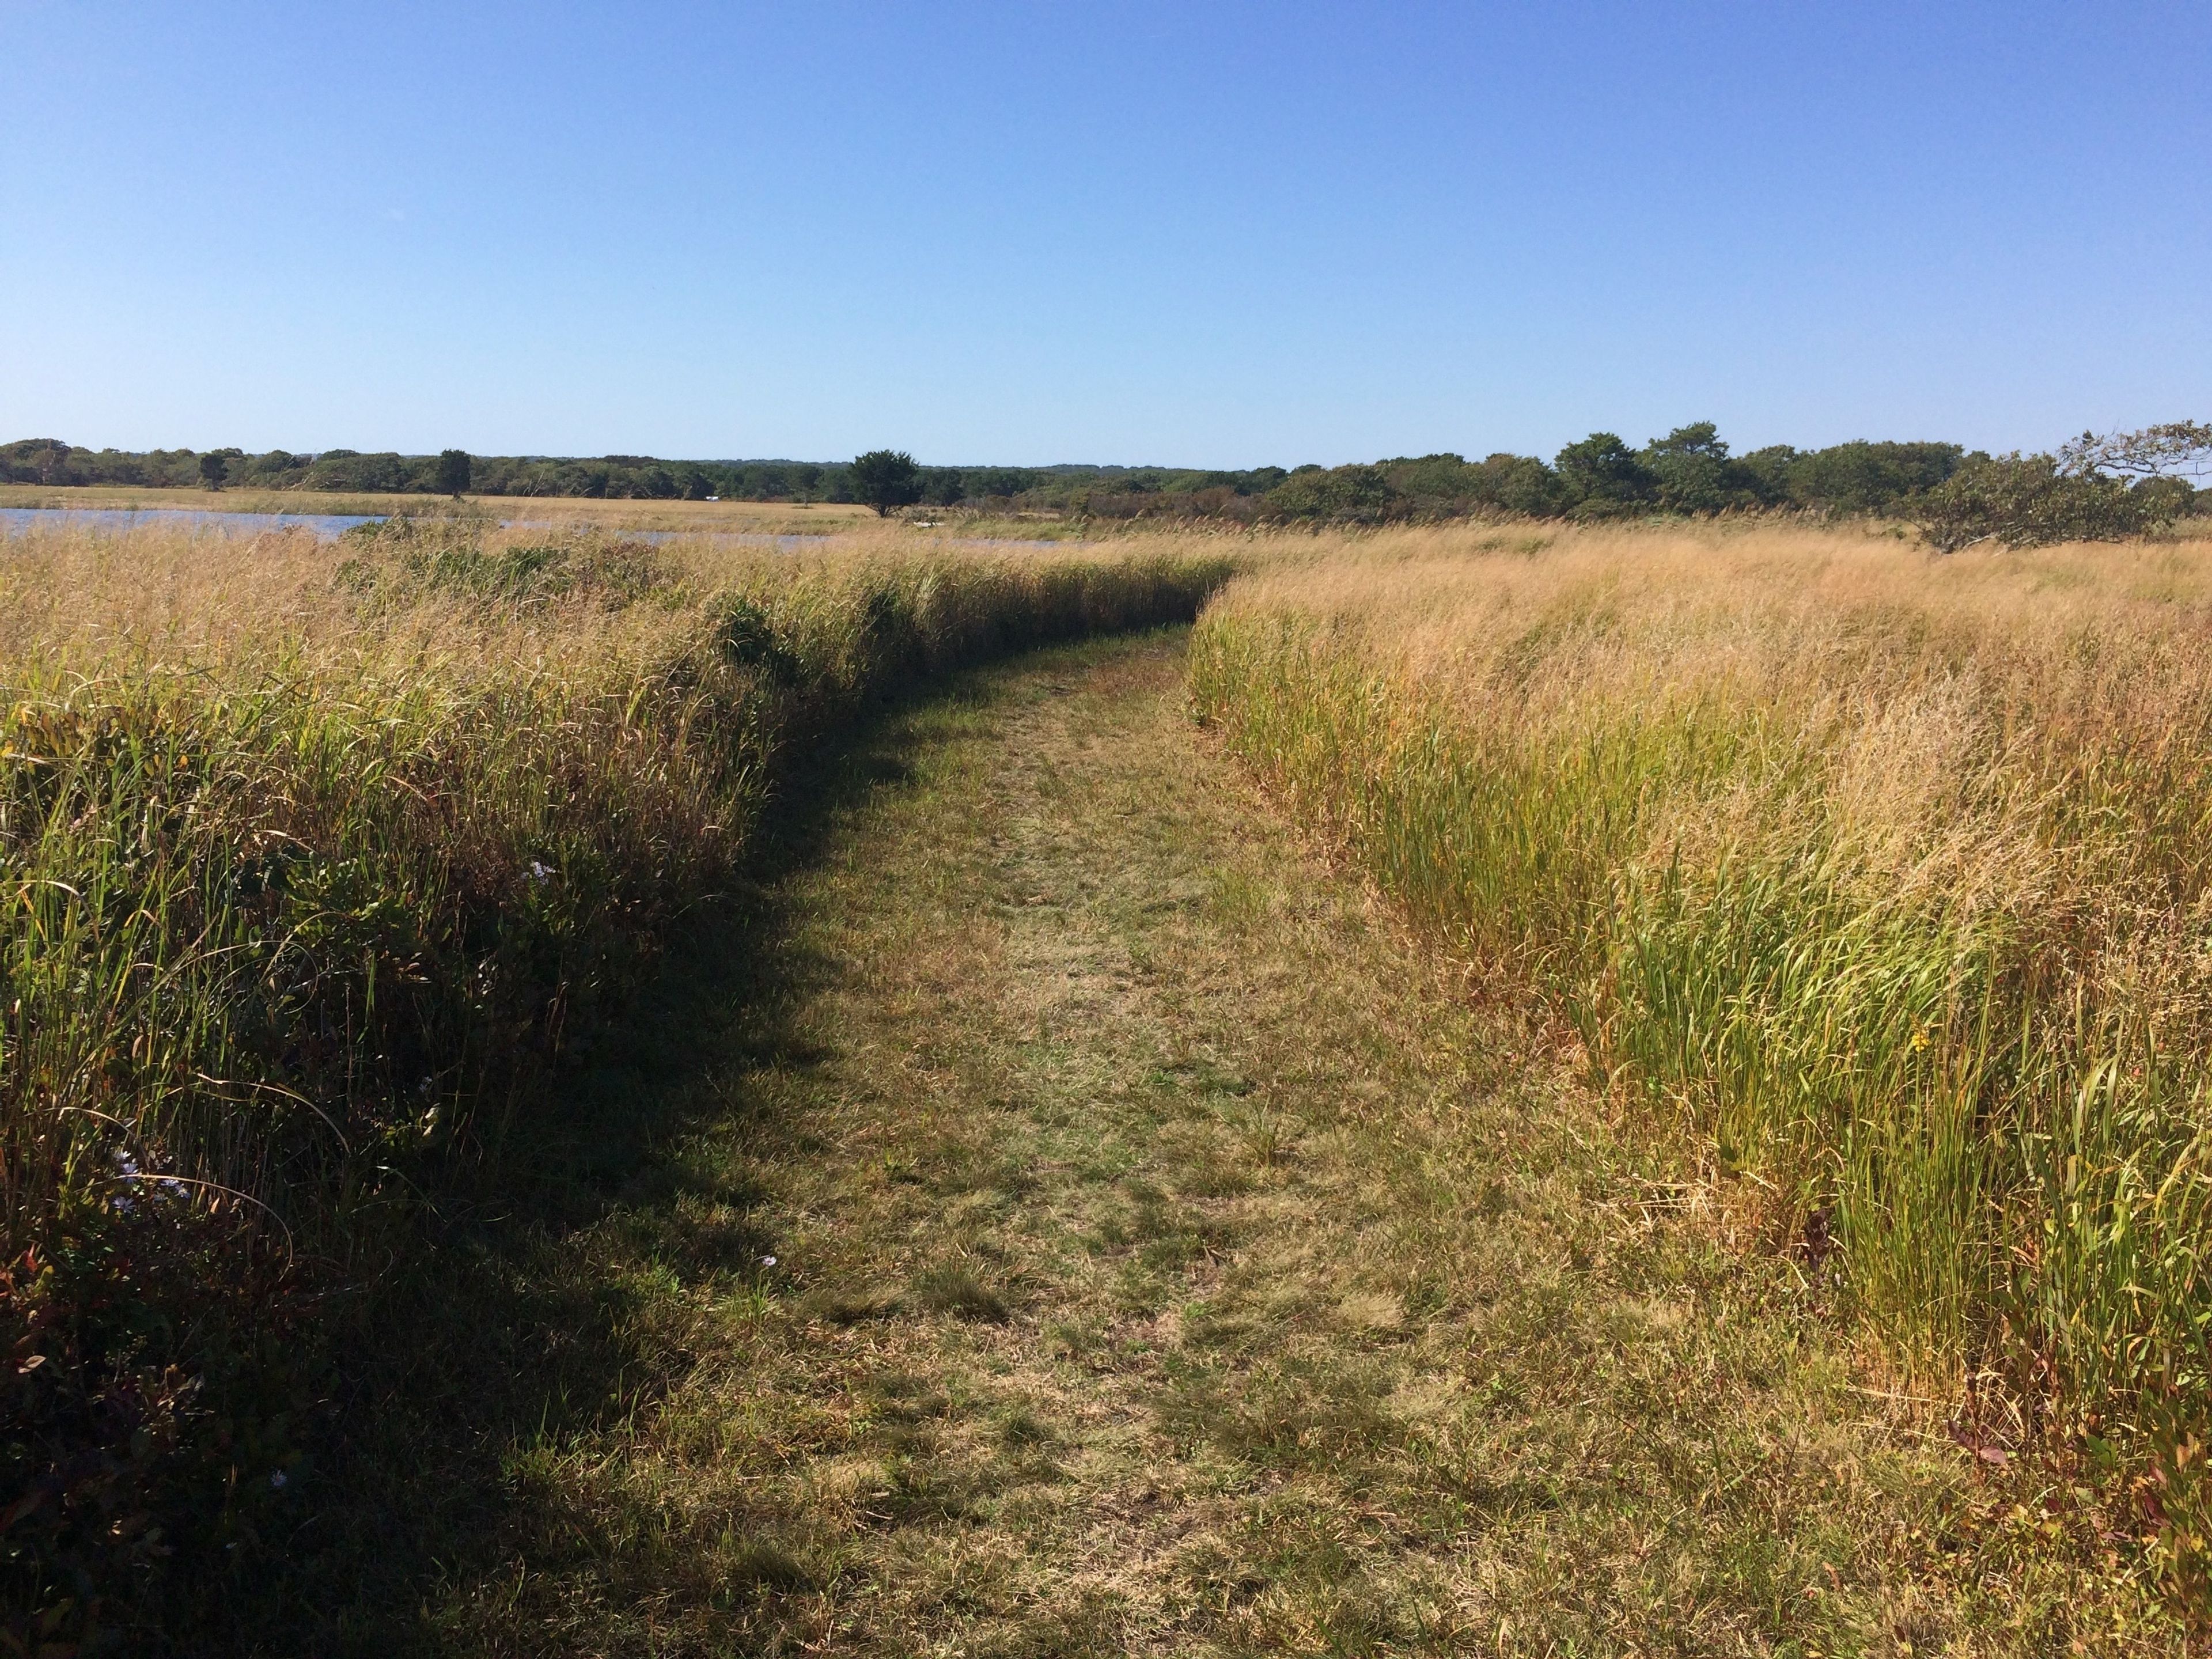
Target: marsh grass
1887,874
1340,1318
317,860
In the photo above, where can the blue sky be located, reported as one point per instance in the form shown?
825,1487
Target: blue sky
1217,235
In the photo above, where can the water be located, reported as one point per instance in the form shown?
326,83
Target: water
16,520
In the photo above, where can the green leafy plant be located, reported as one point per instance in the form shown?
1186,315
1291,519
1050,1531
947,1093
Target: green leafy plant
885,478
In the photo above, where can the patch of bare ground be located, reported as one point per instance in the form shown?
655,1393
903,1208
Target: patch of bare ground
1118,1238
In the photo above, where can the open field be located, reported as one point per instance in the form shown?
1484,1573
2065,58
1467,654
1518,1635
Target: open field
1883,876
675,517
1080,1224
319,858
1614,1092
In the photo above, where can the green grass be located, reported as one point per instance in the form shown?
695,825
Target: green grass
1993,1109
966,1176
296,933
1168,1258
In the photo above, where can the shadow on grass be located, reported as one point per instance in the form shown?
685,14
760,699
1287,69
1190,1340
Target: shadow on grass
522,1317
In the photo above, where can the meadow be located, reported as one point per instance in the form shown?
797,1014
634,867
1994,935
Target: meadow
319,857
1879,878
1756,1203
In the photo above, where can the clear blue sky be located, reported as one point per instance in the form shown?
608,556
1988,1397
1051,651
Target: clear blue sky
1213,234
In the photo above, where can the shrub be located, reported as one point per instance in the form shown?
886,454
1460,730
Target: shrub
2028,501
1361,493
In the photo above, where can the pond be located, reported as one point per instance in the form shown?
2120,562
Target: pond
17,520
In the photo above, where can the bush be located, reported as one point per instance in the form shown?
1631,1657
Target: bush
1360,494
2028,501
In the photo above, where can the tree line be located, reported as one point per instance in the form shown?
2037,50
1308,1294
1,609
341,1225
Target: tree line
2093,487
51,462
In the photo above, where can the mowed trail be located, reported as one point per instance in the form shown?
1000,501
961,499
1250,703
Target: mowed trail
1167,1257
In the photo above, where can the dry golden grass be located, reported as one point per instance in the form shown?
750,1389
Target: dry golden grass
317,859
1168,1255
1887,871
1116,1235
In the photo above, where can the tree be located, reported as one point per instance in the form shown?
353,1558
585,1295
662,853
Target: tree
2094,489
2179,449
1604,477
1858,476
1358,493
885,478
2029,500
1520,483
452,472
213,470
1694,473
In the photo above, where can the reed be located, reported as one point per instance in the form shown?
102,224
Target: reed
314,859
1886,873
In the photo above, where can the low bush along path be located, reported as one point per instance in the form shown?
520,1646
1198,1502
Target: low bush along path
1116,1237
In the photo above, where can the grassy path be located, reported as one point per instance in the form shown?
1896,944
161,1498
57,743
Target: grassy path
1165,1261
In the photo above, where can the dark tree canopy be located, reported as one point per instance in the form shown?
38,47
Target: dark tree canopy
1605,475
452,472
885,478
213,470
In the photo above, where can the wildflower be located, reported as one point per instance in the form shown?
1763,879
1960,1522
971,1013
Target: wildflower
276,1479
540,873
768,1261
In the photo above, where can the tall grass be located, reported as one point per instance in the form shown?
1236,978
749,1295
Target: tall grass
313,858
1889,874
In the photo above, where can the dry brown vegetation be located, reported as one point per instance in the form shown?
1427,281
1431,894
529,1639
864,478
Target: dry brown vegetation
317,859
1041,1208
1104,1231
1887,872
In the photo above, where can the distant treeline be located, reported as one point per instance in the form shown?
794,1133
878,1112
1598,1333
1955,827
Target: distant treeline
1690,471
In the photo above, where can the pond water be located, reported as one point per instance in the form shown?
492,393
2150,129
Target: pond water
17,520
